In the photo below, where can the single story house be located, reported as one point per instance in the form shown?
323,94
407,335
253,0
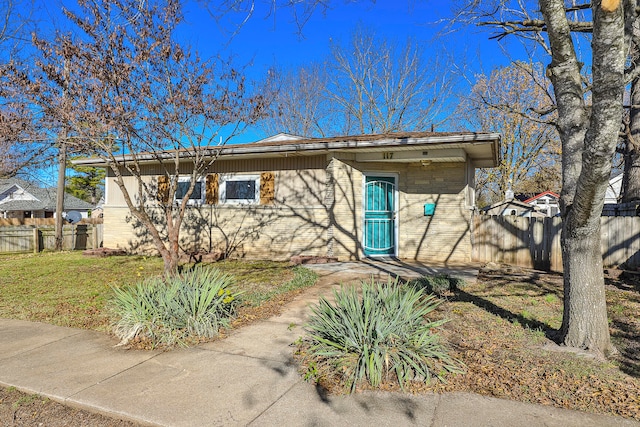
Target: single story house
22,199
407,195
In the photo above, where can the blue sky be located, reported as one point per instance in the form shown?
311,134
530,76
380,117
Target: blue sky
275,39
266,41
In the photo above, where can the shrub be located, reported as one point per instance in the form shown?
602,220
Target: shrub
191,305
383,334
438,284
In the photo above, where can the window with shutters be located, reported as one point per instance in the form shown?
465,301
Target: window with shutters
239,189
197,196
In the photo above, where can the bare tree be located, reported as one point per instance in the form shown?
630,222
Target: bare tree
22,141
298,102
135,96
380,87
232,15
508,102
370,85
588,132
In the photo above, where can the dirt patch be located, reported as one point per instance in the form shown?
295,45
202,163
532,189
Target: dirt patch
103,252
21,409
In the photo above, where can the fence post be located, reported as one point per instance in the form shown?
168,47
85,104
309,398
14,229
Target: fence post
36,240
94,235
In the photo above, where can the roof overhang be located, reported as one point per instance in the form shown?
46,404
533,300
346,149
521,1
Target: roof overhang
481,148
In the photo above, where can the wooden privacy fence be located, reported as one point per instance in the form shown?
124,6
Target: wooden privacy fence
30,238
8,222
535,242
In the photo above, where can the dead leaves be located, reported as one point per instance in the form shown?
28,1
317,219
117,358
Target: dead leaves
504,358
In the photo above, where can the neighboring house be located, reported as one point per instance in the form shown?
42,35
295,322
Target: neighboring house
546,203
612,206
539,206
98,211
22,199
612,196
407,195
510,207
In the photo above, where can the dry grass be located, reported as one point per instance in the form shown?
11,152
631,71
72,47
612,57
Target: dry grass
501,328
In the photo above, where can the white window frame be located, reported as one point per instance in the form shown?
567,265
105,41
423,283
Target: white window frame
224,178
196,201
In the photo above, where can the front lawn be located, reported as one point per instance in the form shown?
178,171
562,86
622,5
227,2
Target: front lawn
500,328
69,289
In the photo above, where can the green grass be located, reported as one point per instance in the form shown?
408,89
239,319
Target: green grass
69,289
66,289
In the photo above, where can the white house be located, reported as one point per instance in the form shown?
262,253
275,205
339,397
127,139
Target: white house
546,203
22,199
613,190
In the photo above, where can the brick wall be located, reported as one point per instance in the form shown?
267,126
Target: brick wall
318,211
443,237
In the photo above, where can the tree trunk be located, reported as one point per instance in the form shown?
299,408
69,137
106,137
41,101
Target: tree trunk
172,257
631,177
62,168
586,162
170,262
584,323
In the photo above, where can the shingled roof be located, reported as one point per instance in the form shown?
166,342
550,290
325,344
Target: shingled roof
44,198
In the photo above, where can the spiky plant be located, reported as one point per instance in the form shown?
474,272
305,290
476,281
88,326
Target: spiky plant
167,311
382,334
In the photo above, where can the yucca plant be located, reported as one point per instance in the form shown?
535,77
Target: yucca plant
382,334
194,304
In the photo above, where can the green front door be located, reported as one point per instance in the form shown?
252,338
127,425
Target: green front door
379,216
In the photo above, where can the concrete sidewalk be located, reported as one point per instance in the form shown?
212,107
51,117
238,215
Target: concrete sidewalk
248,378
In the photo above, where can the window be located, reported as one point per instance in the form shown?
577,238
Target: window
183,186
240,189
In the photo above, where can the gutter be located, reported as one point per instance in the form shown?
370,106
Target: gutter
315,147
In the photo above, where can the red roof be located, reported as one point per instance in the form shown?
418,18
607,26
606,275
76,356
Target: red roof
545,193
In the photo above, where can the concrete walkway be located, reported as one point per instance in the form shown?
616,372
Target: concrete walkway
248,378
